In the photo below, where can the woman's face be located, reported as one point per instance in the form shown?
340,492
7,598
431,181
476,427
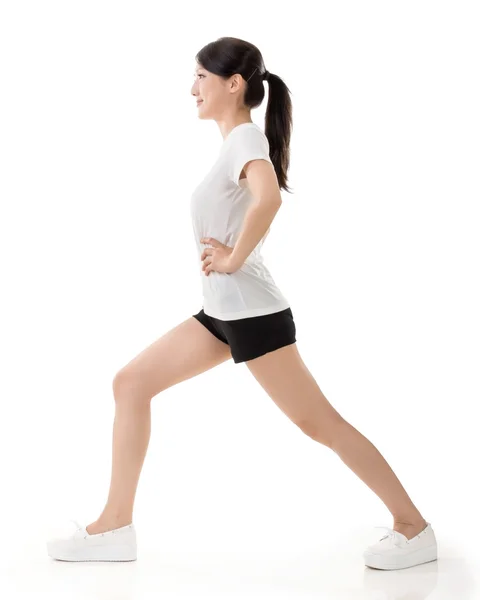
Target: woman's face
214,93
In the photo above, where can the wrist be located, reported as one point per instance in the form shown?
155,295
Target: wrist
235,263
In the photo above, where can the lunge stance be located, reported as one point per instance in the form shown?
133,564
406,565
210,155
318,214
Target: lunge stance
244,317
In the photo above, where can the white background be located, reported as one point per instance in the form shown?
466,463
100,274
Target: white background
377,251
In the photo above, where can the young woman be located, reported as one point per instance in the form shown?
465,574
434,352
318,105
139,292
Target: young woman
244,316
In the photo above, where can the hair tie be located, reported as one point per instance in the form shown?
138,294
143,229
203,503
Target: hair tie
266,75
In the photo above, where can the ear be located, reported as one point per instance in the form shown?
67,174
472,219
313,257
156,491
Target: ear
236,82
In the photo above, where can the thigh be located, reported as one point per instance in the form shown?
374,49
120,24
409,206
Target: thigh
289,383
183,352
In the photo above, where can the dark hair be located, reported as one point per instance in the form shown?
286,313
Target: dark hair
227,56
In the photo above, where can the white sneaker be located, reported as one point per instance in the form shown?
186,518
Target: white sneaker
395,551
76,544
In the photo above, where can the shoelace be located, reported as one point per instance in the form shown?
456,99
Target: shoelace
396,540
77,524
79,527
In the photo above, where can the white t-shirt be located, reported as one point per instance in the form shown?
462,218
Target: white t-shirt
218,206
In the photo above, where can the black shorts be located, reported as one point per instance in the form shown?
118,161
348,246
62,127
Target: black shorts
254,336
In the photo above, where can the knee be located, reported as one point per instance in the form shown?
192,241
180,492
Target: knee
127,387
121,385
324,432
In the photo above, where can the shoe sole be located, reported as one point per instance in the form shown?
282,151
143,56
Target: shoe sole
123,553
420,556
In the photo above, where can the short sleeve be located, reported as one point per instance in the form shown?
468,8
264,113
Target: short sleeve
248,144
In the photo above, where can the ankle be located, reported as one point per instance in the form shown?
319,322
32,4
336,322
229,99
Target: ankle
414,523
114,518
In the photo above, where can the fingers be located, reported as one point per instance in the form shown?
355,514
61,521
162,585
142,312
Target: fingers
207,252
212,241
206,263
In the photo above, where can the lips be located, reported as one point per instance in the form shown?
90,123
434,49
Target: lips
199,102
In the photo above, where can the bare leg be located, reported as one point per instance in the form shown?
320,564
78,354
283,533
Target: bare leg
131,436
363,458
183,352
287,380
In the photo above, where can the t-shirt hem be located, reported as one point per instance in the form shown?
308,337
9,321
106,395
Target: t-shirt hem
244,314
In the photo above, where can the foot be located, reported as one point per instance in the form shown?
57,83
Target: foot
100,526
74,543
395,550
409,530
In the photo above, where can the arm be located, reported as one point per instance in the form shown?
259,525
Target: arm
263,185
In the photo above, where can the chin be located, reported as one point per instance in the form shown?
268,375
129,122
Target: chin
202,113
